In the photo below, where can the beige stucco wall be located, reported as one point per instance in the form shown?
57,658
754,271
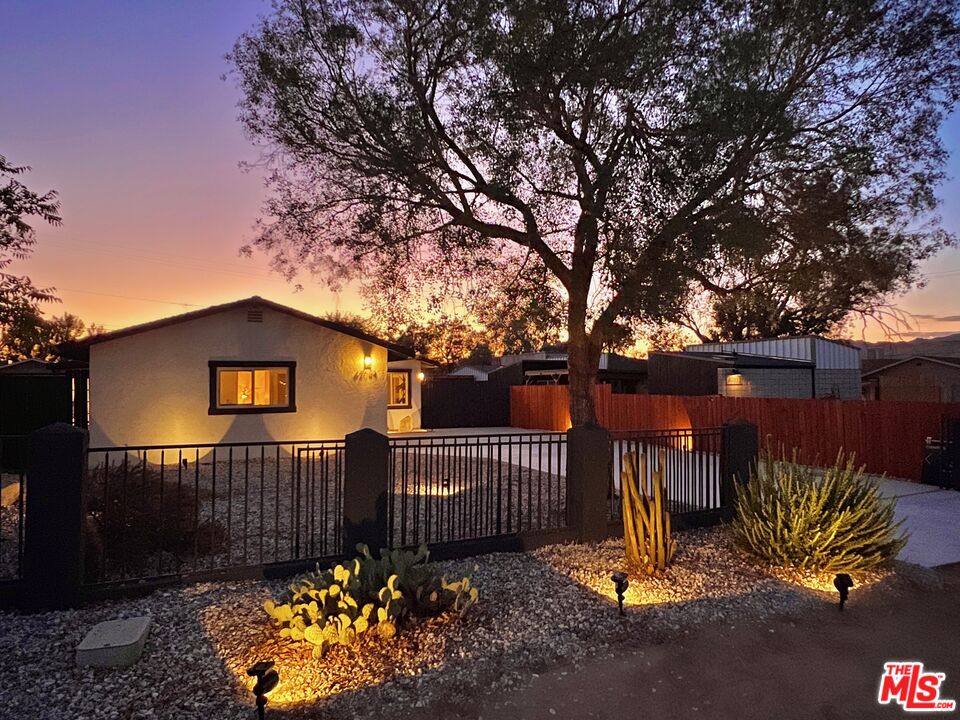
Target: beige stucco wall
395,416
153,387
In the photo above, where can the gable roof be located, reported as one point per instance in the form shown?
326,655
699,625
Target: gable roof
893,362
70,349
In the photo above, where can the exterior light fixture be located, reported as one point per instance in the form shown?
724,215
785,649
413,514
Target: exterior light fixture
843,582
367,362
421,376
620,583
267,680
735,378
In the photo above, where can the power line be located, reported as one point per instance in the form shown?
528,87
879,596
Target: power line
128,297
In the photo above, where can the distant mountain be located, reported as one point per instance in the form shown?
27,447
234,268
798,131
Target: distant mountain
944,346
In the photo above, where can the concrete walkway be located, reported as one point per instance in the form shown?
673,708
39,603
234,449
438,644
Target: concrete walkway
931,516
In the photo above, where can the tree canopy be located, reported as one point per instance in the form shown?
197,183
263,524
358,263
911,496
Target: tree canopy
635,152
19,297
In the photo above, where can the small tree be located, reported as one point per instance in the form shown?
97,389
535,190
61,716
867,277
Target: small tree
638,151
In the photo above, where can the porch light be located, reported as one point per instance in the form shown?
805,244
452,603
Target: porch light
621,584
421,376
367,362
735,378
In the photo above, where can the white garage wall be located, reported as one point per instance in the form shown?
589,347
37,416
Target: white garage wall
153,387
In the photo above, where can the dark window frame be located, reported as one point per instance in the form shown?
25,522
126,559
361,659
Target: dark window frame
217,365
409,374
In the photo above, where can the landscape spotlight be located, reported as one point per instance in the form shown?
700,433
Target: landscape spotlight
267,680
843,582
621,583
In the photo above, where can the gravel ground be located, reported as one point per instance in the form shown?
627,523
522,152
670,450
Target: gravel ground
535,609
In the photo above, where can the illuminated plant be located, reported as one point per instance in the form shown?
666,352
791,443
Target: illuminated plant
646,523
824,521
340,605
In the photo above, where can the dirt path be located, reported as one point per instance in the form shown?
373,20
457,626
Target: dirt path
822,665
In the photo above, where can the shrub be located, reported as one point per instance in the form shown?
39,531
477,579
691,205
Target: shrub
834,521
340,605
146,524
647,536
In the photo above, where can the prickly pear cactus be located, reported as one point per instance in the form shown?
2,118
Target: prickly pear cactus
342,605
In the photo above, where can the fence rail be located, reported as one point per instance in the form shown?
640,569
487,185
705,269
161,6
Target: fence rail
158,510
13,485
466,487
688,459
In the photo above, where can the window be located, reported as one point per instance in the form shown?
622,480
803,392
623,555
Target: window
398,389
251,387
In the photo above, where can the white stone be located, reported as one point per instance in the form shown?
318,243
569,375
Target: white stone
115,643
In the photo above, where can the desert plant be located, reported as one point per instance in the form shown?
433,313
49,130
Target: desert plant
340,605
823,521
646,523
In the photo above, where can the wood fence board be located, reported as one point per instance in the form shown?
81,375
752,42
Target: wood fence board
887,437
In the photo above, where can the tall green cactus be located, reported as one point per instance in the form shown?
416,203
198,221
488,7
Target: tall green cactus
646,523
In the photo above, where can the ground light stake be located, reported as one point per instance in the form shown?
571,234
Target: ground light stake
621,583
267,680
843,582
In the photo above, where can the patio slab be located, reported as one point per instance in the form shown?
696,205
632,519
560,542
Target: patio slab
931,516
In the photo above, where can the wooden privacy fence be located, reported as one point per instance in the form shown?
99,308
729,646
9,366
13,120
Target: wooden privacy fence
887,437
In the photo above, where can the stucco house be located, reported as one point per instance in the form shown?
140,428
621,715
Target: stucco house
248,371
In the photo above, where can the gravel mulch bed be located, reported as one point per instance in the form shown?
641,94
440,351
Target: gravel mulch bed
535,609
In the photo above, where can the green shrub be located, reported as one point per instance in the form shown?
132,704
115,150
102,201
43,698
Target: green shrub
824,521
340,605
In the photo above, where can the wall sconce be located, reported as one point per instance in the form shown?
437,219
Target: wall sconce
421,376
367,362
735,378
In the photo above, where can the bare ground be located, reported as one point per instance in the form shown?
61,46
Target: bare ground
818,663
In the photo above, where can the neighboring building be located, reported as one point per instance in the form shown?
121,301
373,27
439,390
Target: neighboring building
248,371
805,367
919,378
626,375
480,373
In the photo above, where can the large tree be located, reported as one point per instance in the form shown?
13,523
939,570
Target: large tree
19,297
640,150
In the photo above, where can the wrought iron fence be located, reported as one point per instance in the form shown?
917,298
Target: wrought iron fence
13,485
155,511
689,460
463,487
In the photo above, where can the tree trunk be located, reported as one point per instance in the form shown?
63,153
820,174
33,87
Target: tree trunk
583,360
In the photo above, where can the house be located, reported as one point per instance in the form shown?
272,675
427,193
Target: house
920,377
804,367
248,371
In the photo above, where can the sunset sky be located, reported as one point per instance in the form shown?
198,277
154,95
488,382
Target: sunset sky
120,107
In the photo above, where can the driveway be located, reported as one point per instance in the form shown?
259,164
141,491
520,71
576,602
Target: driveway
931,516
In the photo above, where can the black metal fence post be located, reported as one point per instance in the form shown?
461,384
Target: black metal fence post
54,542
366,491
739,447
588,481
